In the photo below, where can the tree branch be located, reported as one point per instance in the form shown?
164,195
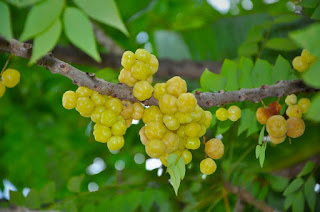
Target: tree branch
124,92
248,198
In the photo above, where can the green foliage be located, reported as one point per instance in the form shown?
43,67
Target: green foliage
211,81
314,110
281,70
281,44
261,147
309,193
298,202
103,11
74,183
41,17
17,198
47,193
293,186
33,199
306,169
79,31
261,73
22,3
177,170
45,41
230,71
5,26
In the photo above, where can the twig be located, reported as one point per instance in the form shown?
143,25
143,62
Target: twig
248,198
124,92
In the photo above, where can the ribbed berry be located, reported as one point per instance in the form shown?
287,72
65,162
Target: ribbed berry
142,90
208,166
10,77
69,99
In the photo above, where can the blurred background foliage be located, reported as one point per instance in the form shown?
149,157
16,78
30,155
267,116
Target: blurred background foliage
49,155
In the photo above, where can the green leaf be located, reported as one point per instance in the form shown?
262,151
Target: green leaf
247,116
261,73
263,193
294,186
278,183
79,31
309,3
104,11
281,70
5,26
306,169
172,158
41,17
47,193
148,199
261,135
288,201
74,183
316,13
281,44
262,155
298,202
246,67
258,148
22,3
312,75
309,193
175,180
288,18
108,74
230,71
307,37
16,198
224,126
255,35
314,110
254,127
248,49
182,168
33,199
45,42
211,81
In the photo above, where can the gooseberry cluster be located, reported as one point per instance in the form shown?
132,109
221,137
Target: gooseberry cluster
233,113
111,116
214,148
137,72
277,126
176,125
9,78
303,62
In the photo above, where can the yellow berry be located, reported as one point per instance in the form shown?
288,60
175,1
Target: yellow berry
277,140
143,55
214,148
140,71
154,64
155,148
208,166
155,130
202,131
108,118
96,114
304,104
294,111
187,156
167,104
263,114
171,140
119,128
84,106
3,90
192,129
222,114
138,111
299,65
277,126
234,113
176,86
164,160
296,127
143,138
69,98
159,90
152,114
10,77
291,99
114,104
98,99
126,77
183,118
142,90
102,133
128,59
115,143
192,143
181,132
197,114
171,122
84,92
186,103
128,122
207,120
307,57
150,79
127,110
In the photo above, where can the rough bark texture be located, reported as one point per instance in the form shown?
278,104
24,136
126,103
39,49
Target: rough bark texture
124,92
